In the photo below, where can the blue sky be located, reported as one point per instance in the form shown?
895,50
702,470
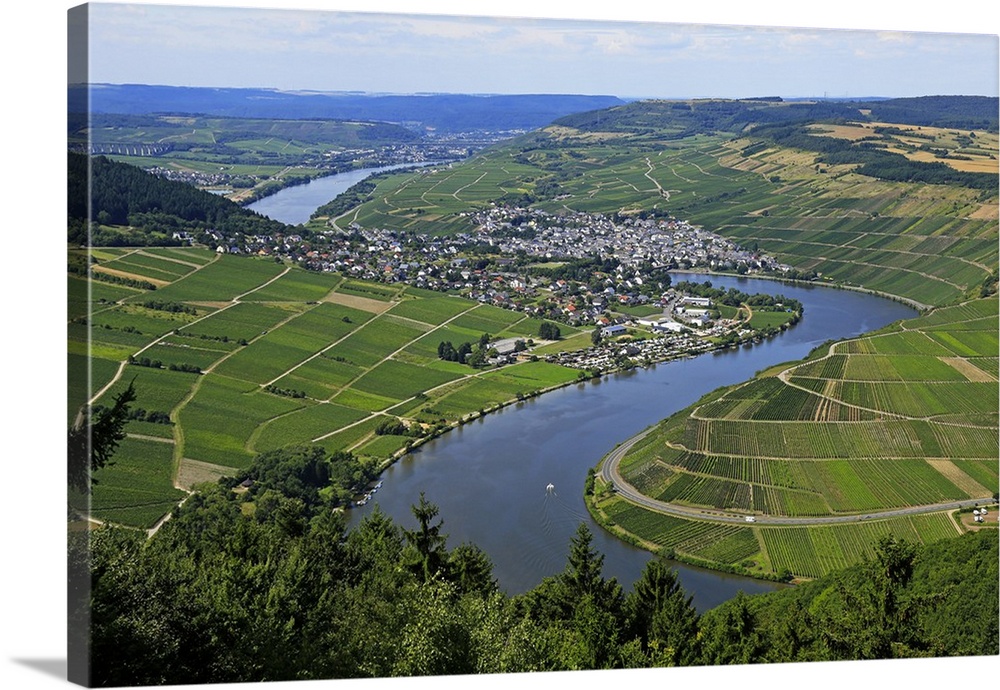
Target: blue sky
635,54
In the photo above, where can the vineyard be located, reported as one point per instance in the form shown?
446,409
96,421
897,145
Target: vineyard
236,356
803,551
904,417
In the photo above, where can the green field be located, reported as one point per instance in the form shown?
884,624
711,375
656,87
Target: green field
269,363
138,489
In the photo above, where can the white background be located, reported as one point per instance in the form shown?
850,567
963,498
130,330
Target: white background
32,229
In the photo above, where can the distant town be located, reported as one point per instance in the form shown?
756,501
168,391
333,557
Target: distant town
605,273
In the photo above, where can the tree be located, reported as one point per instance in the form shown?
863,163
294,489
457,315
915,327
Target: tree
435,638
733,637
662,616
583,570
471,570
92,443
425,552
595,336
876,619
302,472
549,331
583,575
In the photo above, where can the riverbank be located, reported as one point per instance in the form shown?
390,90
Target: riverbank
819,282
585,376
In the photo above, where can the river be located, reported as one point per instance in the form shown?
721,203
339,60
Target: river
489,477
293,205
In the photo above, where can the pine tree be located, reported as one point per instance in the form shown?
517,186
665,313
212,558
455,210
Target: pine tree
663,617
425,551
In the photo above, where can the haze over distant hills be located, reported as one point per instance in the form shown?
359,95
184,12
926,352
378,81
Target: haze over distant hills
442,112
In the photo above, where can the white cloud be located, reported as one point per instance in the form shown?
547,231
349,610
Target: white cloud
381,51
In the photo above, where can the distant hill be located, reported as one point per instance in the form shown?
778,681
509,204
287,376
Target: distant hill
965,112
442,112
703,116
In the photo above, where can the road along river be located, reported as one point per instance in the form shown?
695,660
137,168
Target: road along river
490,478
609,473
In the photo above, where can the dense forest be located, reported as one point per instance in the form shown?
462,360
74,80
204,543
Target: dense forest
257,578
266,586
125,195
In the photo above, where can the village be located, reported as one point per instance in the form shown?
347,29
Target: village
512,257
584,270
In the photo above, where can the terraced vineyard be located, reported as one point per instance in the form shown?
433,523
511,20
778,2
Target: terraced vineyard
231,357
901,418
927,243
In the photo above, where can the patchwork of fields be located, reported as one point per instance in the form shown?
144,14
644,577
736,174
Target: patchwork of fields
903,417
244,356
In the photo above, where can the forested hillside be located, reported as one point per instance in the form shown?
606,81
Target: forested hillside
151,207
965,112
258,584
714,115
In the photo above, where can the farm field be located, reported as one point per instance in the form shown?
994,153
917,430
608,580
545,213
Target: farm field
806,552
900,418
231,357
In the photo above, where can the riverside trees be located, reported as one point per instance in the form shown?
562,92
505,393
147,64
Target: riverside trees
268,584
244,587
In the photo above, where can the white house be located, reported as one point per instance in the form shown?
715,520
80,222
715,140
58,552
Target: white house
698,301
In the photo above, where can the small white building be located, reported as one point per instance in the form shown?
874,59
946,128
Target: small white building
698,301
661,325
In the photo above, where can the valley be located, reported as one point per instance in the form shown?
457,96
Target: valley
325,332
